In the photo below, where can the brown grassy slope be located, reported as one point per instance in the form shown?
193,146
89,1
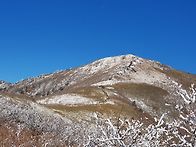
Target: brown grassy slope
186,79
150,92
107,110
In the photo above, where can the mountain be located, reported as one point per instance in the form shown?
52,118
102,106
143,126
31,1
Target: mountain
63,108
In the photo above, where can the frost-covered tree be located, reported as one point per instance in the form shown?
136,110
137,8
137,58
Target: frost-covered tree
134,133
181,132
188,96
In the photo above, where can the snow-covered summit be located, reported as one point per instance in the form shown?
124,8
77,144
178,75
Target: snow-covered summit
110,62
117,59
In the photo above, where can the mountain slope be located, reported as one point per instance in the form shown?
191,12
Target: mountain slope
113,87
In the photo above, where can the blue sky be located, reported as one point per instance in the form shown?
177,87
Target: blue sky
42,36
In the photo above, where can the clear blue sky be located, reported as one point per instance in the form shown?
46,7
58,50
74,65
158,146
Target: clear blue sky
42,36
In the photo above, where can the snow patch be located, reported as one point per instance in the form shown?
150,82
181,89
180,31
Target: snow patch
67,99
108,82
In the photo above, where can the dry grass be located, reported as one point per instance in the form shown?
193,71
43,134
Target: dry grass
106,109
185,79
146,91
153,97
91,92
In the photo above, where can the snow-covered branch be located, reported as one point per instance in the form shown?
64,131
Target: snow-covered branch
188,96
134,133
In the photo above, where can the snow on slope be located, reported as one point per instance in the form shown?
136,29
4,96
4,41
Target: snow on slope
128,68
67,99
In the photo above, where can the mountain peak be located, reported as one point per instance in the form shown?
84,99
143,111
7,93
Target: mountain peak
112,62
117,60
107,71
